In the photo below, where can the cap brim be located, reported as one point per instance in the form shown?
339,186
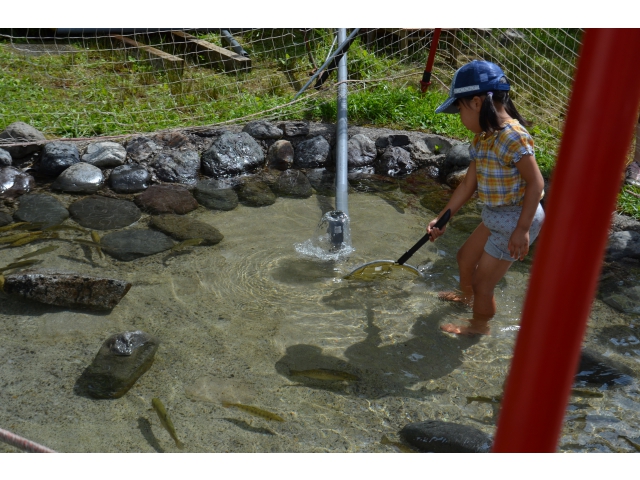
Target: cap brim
448,106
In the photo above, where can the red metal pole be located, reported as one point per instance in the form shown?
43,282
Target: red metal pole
426,76
600,120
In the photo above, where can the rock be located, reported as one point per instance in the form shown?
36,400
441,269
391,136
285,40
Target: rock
598,371
361,151
445,437
622,222
57,157
20,132
166,199
397,140
66,289
5,158
14,182
209,194
185,228
232,154
394,161
142,149
122,359
457,158
294,184
103,213
172,140
620,292
294,129
256,194
633,174
262,130
105,154
5,219
127,245
79,178
129,179
280,155
41,208
455,178
312,153
437,145
322,181
178,166
623,244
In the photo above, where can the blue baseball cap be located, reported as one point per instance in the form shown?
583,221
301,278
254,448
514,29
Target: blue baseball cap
477,76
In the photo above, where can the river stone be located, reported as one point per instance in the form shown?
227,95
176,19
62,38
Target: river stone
457,158
322,181
262,130
5,158
105,154
361,151
455,178
596,370
79,178
445,437
172,140
114,370
185,228
103,213
293,184
127,245
41,208
280,155
232,154
20,132
256,194
312,153
57,157
141,149
623,294
66,289
129,179
294,129
5,219
177,166
394,161
209,194
623,244
633,173
14,182
396,140
159,199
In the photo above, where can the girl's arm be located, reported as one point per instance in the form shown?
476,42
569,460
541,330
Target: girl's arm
519,241
462,193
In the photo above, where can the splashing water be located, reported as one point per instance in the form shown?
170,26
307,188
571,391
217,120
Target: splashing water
331,240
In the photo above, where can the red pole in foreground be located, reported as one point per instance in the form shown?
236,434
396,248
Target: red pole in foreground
598,130
426,75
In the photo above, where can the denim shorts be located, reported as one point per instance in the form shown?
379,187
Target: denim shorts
502,221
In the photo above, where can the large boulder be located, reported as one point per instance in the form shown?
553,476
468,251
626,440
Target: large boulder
361,151
395,161
312,153
262,130
457,158
57,157
20,132
232,154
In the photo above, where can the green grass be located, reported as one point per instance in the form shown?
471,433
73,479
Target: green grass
629,201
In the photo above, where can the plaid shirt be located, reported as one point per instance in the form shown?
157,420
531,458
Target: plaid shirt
499,181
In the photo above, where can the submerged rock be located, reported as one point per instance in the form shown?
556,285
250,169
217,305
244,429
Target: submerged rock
322,181
105,154
256,194
159,199
127,245
57,157
599,371
185,228
65,289
445,437
20,132
122,359
103,213
14,182
209,194
41,208
294,184
79,178
5,219
129,179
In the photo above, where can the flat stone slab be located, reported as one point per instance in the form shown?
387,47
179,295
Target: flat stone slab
185,228
66,289
158,199
103,213
41,208
445,437
127,245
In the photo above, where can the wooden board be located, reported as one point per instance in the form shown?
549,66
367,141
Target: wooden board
213,54
159,59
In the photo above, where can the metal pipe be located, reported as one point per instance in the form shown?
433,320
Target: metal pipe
426,75
569,255
341,131
233,43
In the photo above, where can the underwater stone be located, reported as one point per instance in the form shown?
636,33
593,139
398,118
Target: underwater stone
312,153
280,155
41,208
127,245
394,161
57,157
455,178
262,130
232,154
79,178
445,437
209,194
5,158
361,151
103,213
5,219
159,199
598,371
371,183
20,132
14,182
185,228
293,184
105,154
122,359
294,129
178,166
256,194
141,149
129,179
65,289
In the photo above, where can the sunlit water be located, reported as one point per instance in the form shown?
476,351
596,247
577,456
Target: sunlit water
235,318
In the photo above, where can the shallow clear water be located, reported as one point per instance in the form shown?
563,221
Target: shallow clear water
235,318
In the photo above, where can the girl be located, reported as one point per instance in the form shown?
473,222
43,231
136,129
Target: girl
504,171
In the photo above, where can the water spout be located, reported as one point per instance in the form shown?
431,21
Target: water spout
331,240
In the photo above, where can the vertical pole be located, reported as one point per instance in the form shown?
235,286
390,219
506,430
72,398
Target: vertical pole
426,75
341,131
597,134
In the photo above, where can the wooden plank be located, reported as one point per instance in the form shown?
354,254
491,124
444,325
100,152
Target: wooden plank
159,60
213,54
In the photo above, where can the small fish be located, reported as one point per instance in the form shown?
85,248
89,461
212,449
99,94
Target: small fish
631,442
324,374
88,243
1,283
14,237
6,228
48,249
254,411
31,238
96,238
166,421
481,399
586,393
26,263
65,227
400,446
187,243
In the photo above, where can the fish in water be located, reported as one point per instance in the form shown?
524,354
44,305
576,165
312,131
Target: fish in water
16,237
31,238
192,242
166,421
586,393
6,228
324,374
400,446
48,249
26,263
65,227
96,238
254,411
1,283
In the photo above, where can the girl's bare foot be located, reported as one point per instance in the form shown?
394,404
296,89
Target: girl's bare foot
474,327
457,297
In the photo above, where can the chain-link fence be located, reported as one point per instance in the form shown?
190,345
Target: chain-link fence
89,82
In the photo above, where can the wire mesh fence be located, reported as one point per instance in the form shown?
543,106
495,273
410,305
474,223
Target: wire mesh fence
92,82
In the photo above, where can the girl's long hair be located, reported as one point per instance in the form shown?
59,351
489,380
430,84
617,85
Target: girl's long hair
489,116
